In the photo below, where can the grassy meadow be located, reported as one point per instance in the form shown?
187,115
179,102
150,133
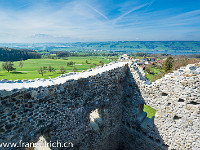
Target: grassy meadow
31,67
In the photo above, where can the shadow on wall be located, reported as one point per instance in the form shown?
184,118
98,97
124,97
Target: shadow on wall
138,132
102,112
86,112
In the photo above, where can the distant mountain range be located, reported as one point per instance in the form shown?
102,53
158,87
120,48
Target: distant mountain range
169,47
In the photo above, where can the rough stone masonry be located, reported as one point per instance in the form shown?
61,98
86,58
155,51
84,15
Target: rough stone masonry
102,109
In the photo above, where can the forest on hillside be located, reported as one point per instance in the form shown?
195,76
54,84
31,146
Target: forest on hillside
10,54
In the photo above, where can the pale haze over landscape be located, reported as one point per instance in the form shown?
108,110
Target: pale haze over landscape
96,20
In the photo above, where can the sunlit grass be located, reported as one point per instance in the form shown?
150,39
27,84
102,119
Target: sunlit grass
30,67
150,111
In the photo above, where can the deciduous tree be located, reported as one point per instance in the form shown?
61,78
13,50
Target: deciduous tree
8,66
51,69
42,70
62,69
71,63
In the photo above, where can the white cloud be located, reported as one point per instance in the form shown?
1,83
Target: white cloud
89,20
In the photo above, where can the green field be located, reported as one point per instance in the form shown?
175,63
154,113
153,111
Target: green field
150,111
156,74
31,66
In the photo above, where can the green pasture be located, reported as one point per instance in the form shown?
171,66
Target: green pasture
150,111
31,66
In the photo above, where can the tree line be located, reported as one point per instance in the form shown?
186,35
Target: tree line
65,54
10,54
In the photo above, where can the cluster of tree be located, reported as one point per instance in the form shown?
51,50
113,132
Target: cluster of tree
141,54
68,54
170,64
110,54
62,70
163,55
43,69
71,63
63,54
174,63
9,54
159,56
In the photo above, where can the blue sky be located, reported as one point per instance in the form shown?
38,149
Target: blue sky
99,20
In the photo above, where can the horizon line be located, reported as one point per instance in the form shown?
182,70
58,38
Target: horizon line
101,41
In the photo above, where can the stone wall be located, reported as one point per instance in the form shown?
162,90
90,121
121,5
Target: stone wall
103,109
176,99
62,112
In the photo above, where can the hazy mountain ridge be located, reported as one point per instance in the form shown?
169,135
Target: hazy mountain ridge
170,47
